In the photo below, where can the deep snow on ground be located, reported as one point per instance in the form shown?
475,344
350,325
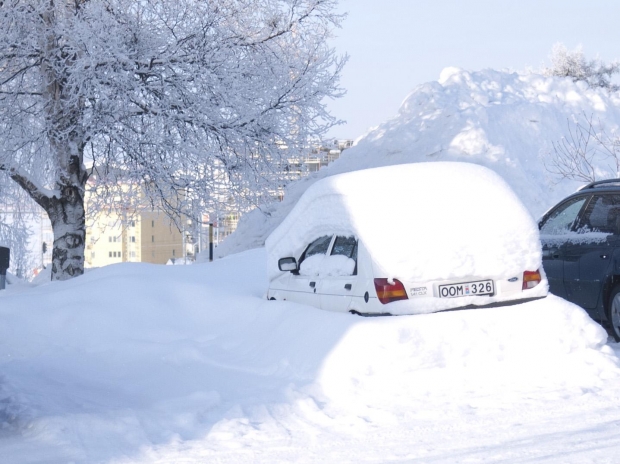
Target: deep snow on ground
505,121
159,364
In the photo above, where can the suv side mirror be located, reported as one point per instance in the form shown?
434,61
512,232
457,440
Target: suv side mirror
287,264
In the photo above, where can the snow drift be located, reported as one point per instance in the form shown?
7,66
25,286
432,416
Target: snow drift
157,364
504,121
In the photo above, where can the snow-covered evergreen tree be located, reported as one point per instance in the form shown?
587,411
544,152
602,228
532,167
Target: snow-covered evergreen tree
156,93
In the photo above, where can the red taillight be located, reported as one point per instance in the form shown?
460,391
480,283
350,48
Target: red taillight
388,292
531,279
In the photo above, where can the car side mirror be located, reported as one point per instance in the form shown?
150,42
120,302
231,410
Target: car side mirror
287,264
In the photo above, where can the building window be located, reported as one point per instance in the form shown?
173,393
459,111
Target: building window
173,252
153,223
92,254
132,223
110,239
133,254
110,254
132,239
153,238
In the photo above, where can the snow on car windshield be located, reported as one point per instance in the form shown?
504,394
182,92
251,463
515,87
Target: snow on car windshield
420,222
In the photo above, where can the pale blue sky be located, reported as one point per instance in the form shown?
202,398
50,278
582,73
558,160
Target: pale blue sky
395,45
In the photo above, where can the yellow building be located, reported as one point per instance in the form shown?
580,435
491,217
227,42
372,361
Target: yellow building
131,232
161,240
148,237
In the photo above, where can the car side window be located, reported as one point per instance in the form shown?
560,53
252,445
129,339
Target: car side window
319,246
602,215
346,246
342,260
561,221
311,259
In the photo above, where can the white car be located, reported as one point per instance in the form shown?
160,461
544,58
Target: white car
407,239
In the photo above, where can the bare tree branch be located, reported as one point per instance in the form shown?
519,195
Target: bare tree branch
587,153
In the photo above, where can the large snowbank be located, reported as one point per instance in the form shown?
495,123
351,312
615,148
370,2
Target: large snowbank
420,222
137,363
504,121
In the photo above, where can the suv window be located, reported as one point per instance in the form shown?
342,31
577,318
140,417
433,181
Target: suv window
602,215
562,219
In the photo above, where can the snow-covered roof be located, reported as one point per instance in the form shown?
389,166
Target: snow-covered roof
420,221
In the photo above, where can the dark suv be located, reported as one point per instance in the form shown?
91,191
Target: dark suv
581,251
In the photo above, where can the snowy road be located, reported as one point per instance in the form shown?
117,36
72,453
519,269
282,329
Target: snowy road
148,364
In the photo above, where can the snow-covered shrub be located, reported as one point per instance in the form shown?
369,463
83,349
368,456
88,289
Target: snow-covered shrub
566,63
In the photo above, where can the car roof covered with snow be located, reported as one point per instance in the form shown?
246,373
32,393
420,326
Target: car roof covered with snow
419,221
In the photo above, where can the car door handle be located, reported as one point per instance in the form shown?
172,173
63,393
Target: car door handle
347,286
604,256
312,284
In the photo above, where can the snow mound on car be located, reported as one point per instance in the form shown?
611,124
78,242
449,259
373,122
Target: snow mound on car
420,222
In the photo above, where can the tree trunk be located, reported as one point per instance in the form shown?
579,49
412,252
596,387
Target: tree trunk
69,225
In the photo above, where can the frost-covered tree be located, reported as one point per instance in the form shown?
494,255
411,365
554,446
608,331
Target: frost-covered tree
588,153
159,94
566,63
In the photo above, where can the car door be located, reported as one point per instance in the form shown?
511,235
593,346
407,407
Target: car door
587,259
339,274
302,286
556,230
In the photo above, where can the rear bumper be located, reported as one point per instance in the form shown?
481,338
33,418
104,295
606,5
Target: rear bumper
496,304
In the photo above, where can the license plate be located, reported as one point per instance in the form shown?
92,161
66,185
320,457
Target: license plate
480,287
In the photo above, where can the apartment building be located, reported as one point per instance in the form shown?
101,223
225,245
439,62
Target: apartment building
315,157
148,237
161,240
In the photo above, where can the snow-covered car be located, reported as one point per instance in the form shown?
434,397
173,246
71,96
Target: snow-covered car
407,239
